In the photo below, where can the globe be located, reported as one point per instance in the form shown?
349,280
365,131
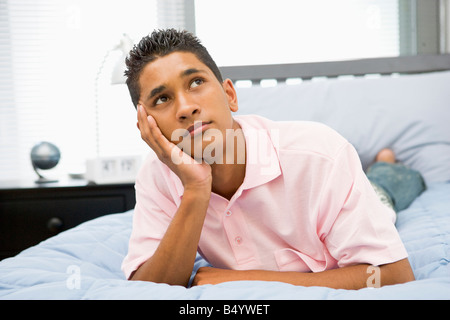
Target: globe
44,156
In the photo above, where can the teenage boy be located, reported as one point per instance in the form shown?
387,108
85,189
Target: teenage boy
259,200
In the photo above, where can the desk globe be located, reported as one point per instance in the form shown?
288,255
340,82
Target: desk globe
44,156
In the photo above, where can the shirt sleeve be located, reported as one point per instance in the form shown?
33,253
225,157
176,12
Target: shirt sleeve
356,226
152,215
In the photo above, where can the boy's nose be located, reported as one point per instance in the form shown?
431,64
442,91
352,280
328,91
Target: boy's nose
186,109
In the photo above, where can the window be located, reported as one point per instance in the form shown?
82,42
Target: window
56,60
253,32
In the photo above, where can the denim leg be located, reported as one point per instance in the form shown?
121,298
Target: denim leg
383,195
401,183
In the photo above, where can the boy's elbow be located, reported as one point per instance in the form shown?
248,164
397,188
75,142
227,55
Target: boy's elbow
397,272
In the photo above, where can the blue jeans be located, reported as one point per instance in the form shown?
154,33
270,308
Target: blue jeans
396,184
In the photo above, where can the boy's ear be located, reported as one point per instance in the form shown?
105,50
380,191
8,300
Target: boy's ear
228,87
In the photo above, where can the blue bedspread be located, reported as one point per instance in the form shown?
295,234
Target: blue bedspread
84,263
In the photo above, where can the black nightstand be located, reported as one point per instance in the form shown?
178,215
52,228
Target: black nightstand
30,213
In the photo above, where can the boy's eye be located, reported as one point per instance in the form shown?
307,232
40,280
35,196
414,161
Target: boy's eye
196,83
161,100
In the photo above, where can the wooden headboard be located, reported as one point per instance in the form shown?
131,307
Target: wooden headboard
362,67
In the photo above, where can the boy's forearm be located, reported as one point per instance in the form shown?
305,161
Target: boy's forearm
174,258
352,277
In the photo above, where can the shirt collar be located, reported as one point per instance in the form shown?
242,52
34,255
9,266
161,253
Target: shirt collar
262,162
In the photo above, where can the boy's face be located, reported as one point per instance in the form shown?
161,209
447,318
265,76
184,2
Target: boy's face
178,90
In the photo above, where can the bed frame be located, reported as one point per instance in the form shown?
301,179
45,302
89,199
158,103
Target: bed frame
334,69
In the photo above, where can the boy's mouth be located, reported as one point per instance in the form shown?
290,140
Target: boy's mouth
198,127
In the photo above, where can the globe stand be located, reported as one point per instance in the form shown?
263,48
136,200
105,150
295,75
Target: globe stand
42,179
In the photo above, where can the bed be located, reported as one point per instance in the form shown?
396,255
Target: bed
408,111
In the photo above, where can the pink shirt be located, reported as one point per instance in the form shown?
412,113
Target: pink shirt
305,205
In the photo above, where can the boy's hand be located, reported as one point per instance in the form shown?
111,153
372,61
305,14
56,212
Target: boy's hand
193,175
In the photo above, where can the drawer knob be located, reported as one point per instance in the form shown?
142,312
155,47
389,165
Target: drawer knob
55,225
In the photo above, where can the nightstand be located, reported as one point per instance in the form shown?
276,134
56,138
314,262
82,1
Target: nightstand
30,213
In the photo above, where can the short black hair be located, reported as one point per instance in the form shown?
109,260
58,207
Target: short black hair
158,44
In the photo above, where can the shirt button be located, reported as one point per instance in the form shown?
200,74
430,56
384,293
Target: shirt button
228,213
238,240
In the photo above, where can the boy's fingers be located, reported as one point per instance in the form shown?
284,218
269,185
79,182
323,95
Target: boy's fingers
140,116
158,137
151,133
144,127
